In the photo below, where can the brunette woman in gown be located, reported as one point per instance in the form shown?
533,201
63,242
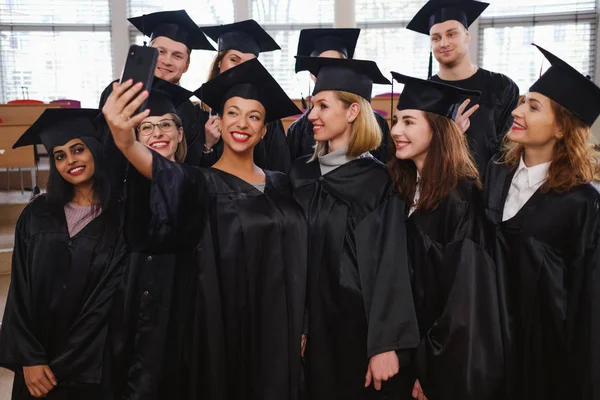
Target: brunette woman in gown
245,310
454,278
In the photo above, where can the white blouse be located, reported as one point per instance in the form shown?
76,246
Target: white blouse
526,181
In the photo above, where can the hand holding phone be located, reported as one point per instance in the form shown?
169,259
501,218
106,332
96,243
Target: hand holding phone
140,66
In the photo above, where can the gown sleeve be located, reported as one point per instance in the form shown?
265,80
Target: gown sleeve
18,343
177,201
509,100
294,134
461,355
385,279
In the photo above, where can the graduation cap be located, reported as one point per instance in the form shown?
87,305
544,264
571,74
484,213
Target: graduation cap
165,97
438,11
313,42
354,76
57,126
434,97
569,88
176,25
249,80
245,36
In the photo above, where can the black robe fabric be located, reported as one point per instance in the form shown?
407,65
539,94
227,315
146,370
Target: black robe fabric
359,298
144,351
548,256
493,119
246,301
59,299
271,153
301,139
454,284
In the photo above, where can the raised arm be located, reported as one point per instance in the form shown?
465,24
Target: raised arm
118,112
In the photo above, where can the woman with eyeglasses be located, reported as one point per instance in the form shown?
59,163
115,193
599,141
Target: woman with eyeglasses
145,349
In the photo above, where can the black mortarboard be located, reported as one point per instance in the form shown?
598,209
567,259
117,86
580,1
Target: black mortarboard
438,11
313,42
569,88
245,36
57,126
176,25
165,97
434,97
354,76
249,80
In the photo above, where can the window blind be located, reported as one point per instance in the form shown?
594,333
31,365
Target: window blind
55,49
566,28
283,20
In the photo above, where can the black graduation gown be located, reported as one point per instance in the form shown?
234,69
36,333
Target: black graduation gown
246,303
301,139
147,319
59,299
359,298
549,258
271,153
456,300
493,119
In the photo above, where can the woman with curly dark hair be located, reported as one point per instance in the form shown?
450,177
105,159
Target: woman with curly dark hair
538,194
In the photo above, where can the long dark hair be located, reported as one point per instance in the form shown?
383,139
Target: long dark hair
61,192
448,162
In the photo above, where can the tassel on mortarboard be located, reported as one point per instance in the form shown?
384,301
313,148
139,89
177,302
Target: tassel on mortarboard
430,68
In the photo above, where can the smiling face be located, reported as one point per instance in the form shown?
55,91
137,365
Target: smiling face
534,122
233,58
161,134
173,59
330,118
243,124
449,42
412,136
74,162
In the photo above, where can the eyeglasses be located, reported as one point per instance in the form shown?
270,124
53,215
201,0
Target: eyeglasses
165,125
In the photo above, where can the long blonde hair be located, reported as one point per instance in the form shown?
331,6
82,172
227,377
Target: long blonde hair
365,134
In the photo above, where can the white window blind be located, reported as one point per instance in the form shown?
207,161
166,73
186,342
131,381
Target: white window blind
284,19
565,28
54,49
203,12
385,39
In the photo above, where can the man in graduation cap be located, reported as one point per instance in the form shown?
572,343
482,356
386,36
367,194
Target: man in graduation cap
332,43
175,35
488,120
237,43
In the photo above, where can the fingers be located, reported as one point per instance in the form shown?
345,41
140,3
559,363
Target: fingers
126,98
135,104
471,111
34,391
50,375
369,377
377,384
463,106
